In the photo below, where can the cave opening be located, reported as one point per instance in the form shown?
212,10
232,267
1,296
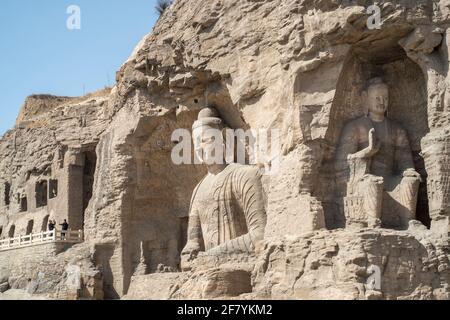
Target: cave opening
12,231
44,225
23,204
7,193
30,226
183,233
81,177
41,191
53,188
90,162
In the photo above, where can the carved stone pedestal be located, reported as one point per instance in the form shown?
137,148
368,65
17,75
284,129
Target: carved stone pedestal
210,277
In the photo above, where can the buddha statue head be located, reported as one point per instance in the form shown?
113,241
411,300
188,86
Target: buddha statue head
376,97
208,137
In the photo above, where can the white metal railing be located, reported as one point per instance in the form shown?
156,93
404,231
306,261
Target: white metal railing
67,236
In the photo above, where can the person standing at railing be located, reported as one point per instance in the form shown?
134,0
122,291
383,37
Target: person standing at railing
65,227
51,225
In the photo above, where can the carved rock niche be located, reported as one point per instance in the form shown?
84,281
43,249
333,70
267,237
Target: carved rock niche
407,107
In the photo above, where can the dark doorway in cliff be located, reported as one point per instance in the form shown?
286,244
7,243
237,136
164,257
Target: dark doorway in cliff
407,107
1,232
30,226
53,189
7,193
41,191
81,186
90,162
183,232
23,204
44,225
11,232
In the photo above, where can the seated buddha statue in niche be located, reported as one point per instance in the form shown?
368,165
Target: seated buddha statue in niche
382,184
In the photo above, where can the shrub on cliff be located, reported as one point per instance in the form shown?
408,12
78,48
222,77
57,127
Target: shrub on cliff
162,5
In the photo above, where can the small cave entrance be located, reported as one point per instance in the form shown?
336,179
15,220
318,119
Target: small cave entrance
407,107
90,163
23,204
1,232
44,225
30,226
7,193
183,233
81,180
12,231
41,191
53,189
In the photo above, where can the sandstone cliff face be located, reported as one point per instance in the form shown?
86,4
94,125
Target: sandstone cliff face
296,66
46,168
50,133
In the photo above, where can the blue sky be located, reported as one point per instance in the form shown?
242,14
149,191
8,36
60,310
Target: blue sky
39,54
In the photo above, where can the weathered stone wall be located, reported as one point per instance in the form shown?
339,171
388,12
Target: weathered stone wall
325,265
46,265
338,264
301,71
51,142
48,143
26,263
296,66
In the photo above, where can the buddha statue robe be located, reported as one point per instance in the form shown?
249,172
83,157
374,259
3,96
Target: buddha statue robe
227,212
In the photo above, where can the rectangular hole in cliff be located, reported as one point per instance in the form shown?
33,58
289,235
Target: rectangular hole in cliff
1,232
7,193
23,204
423,209
44,225
41,194
53,189
88,176
30,226
184,221
11,232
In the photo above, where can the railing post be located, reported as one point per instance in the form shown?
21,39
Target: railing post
80,235
20,240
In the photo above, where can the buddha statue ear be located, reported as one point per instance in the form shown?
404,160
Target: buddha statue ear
365,106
